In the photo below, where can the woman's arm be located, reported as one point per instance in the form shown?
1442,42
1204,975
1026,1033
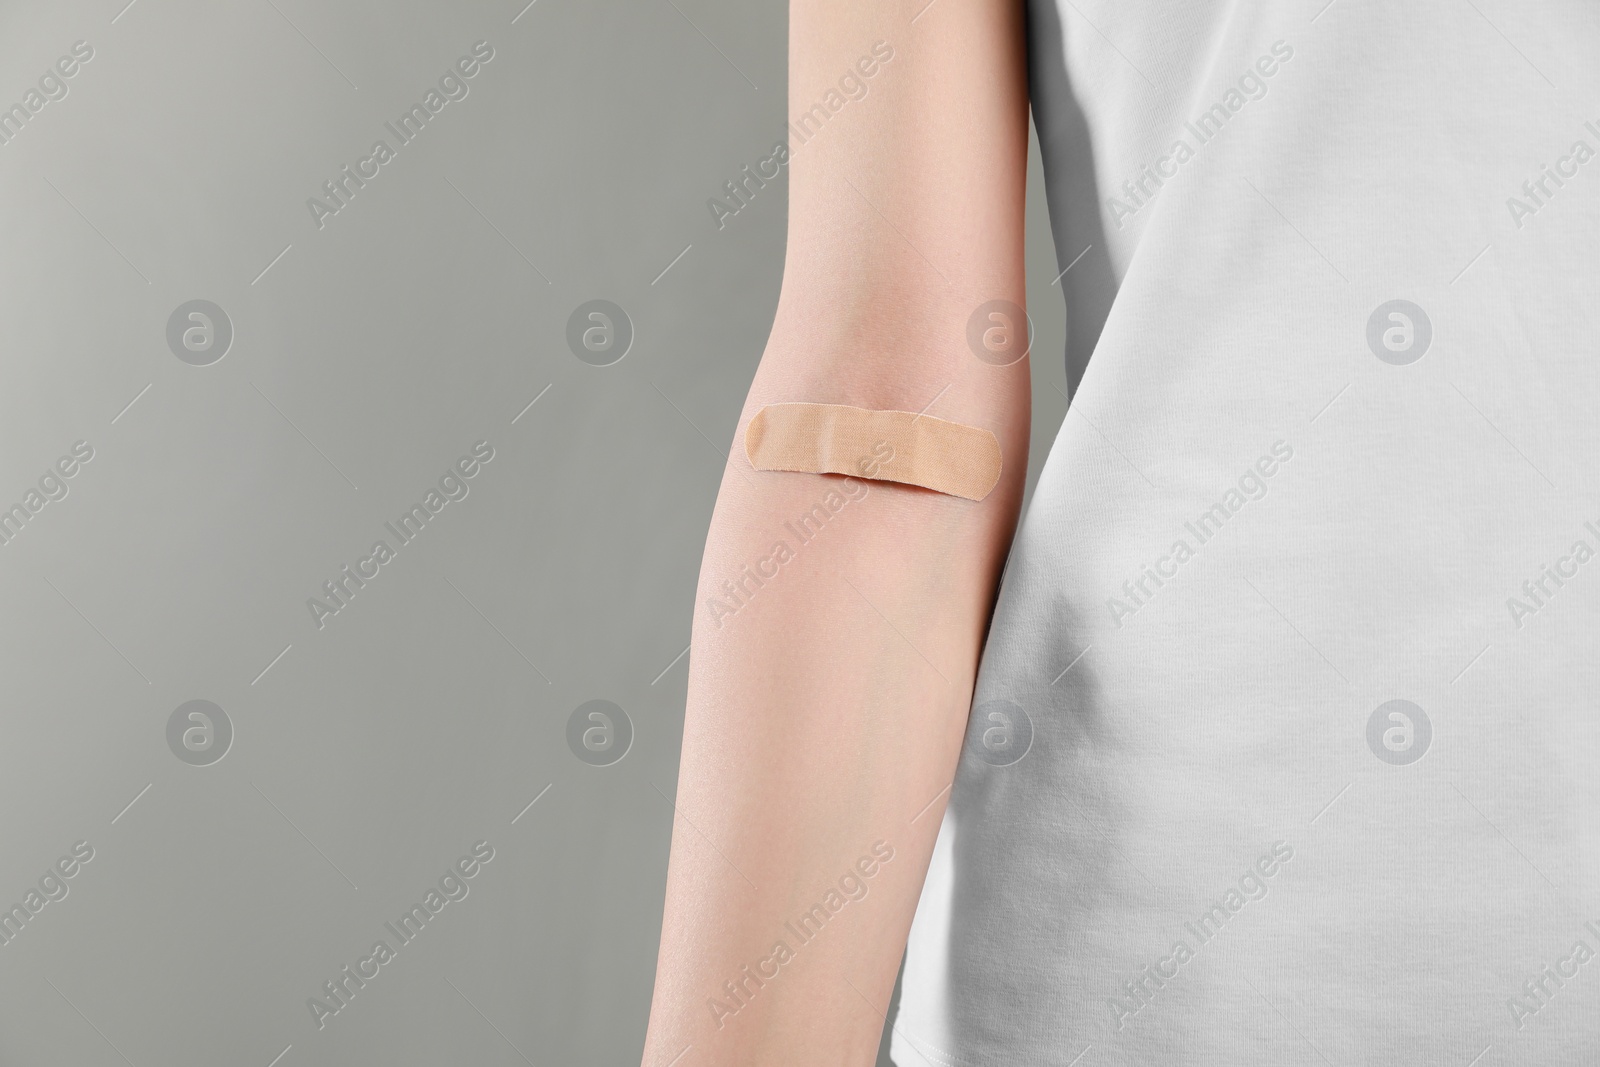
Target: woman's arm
830,681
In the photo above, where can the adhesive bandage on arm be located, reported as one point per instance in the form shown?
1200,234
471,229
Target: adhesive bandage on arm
946,457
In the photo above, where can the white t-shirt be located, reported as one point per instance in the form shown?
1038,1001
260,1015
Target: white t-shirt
1286,742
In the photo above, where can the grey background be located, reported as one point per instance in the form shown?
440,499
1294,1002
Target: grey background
368,356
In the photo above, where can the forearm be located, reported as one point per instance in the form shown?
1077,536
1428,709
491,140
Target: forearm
833,659
824,716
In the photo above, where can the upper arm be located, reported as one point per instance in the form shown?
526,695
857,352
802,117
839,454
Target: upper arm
908,142
906,184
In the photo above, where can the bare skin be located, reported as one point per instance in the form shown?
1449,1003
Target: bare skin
827,705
